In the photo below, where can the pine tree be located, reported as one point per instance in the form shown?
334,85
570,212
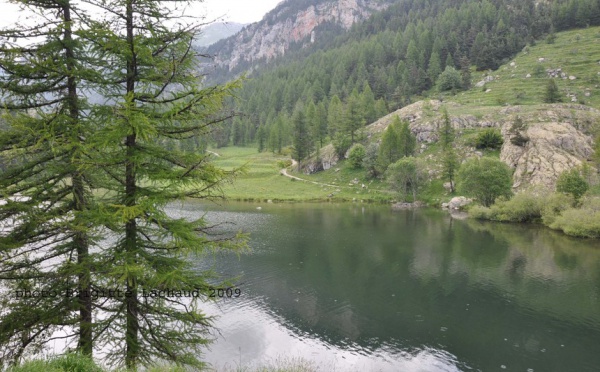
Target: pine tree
368,104
435,66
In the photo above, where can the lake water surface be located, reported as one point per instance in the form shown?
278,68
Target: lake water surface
358,287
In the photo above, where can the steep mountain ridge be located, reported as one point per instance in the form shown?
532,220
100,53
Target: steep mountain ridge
217,31
286,25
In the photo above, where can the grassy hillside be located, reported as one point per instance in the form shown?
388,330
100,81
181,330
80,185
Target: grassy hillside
263,180
576,52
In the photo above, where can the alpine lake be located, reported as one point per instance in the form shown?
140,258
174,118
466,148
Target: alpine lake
359,287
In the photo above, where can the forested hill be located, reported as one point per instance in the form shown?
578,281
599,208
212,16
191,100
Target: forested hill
381,64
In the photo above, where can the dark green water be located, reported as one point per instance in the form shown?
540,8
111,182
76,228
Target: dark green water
363,288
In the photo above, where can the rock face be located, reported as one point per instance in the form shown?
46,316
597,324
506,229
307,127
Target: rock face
281,27
554,138
553,147
425,120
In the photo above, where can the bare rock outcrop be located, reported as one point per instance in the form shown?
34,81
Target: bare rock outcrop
552,148
426,120
279,29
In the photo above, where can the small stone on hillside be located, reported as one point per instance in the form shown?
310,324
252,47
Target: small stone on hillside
527,76
488,90
572,77
541,59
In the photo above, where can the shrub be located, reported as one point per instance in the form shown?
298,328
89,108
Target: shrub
486,179
572,182
407,176
525,206
489,139
284,163
357,155
480,212
554,205
539,71
370,162
583,223
341,144
450,79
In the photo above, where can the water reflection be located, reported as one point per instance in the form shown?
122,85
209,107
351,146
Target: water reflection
358,287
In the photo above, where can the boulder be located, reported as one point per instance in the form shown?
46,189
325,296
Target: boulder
458,202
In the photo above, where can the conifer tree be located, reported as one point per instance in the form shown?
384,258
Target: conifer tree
450,162
155,93
46,184
139,57
552,94
406,140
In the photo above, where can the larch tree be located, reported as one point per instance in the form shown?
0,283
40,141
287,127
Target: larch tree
450,161
45,265
156,92
118,241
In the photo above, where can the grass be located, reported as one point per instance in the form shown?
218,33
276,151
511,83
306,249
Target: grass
263,181
577,52
79,363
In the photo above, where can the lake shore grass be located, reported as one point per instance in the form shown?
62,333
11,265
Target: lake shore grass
263,180
73,362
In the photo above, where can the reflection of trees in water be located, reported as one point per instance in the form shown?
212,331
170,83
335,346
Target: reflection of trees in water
354,275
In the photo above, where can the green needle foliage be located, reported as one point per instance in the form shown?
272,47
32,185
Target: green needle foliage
157,97
86,186
46,184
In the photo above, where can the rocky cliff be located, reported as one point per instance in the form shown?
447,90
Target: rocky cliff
285,25
554,137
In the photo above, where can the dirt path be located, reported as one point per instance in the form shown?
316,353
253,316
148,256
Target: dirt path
295,163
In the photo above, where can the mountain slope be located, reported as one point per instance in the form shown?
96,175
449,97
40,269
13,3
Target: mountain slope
291,22
217,31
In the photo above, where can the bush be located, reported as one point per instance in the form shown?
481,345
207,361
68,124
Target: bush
341,144
284,163
552,94
370,161
407,176
583,223
480,212
357,155
525,206
450,79
572,182
489,139
486,179
554,205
